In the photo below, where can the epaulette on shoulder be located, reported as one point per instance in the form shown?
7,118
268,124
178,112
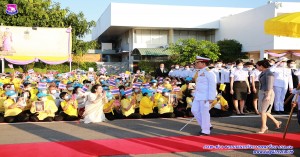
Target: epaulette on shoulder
207,69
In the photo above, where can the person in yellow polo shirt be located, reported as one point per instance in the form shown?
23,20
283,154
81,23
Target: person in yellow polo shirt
4,79
127,107
43,109
69,106
165,107
147,104
14,109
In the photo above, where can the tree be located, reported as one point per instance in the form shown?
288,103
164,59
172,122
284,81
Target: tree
184,51
231,50
44,13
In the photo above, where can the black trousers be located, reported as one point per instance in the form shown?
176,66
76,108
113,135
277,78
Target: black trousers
228,97
180,112
34,118
151,115
21,117
189,112
134,116
1,118
167,115
67,117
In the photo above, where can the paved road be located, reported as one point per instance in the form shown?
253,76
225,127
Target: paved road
68,131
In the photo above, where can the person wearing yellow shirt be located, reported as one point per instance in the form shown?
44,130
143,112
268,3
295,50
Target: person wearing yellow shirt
189,102
2,99
165,106
26,95
137,96
109,108
127,107
147,104
43,109
14,109
4,79
69,106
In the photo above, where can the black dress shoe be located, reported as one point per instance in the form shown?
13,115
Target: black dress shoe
277,112
203,134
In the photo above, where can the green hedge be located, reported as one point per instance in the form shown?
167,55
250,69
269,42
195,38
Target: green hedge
41,67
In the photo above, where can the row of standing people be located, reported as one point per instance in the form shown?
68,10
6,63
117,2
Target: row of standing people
242,83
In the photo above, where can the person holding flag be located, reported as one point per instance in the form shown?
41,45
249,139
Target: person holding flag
205,93
147,104
165,106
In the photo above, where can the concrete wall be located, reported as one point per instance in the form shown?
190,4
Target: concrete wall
161,16
103,23
248,28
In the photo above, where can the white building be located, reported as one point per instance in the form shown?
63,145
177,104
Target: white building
146,29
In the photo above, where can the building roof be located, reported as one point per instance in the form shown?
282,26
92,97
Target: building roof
151,52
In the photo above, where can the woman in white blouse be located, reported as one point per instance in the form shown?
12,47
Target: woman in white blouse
94,105
239,86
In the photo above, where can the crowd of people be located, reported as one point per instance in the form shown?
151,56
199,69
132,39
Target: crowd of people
97,97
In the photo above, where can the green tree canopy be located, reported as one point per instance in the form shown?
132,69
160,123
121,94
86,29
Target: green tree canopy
184,51
44,13
231,50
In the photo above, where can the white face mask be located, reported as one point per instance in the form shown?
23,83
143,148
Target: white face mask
293,66
70,88
167,94
187,68
239,67
249,69
228,66
219,65
53,91
44,91
176,67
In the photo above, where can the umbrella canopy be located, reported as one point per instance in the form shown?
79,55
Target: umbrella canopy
284,25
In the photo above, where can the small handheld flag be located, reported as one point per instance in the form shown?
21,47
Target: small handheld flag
30,71
10,66
62,86
115,91
128,91
137,85
42,85
176,89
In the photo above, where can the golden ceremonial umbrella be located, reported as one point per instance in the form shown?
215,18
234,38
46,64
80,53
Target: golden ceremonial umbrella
284,25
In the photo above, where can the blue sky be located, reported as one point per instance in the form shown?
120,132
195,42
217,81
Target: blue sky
93,9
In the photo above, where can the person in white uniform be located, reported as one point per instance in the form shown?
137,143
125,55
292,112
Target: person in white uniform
283,80
205,93
218,70
225,79
239,87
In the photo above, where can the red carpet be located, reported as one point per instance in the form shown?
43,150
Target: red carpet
153,145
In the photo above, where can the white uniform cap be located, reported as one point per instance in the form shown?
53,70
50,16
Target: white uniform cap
202,59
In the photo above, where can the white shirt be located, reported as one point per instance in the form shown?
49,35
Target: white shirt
282,77
218,73
239,74
206,85
185,73
225,75
255,73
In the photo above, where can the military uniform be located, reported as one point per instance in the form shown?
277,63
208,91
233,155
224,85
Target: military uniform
205,90
282,80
